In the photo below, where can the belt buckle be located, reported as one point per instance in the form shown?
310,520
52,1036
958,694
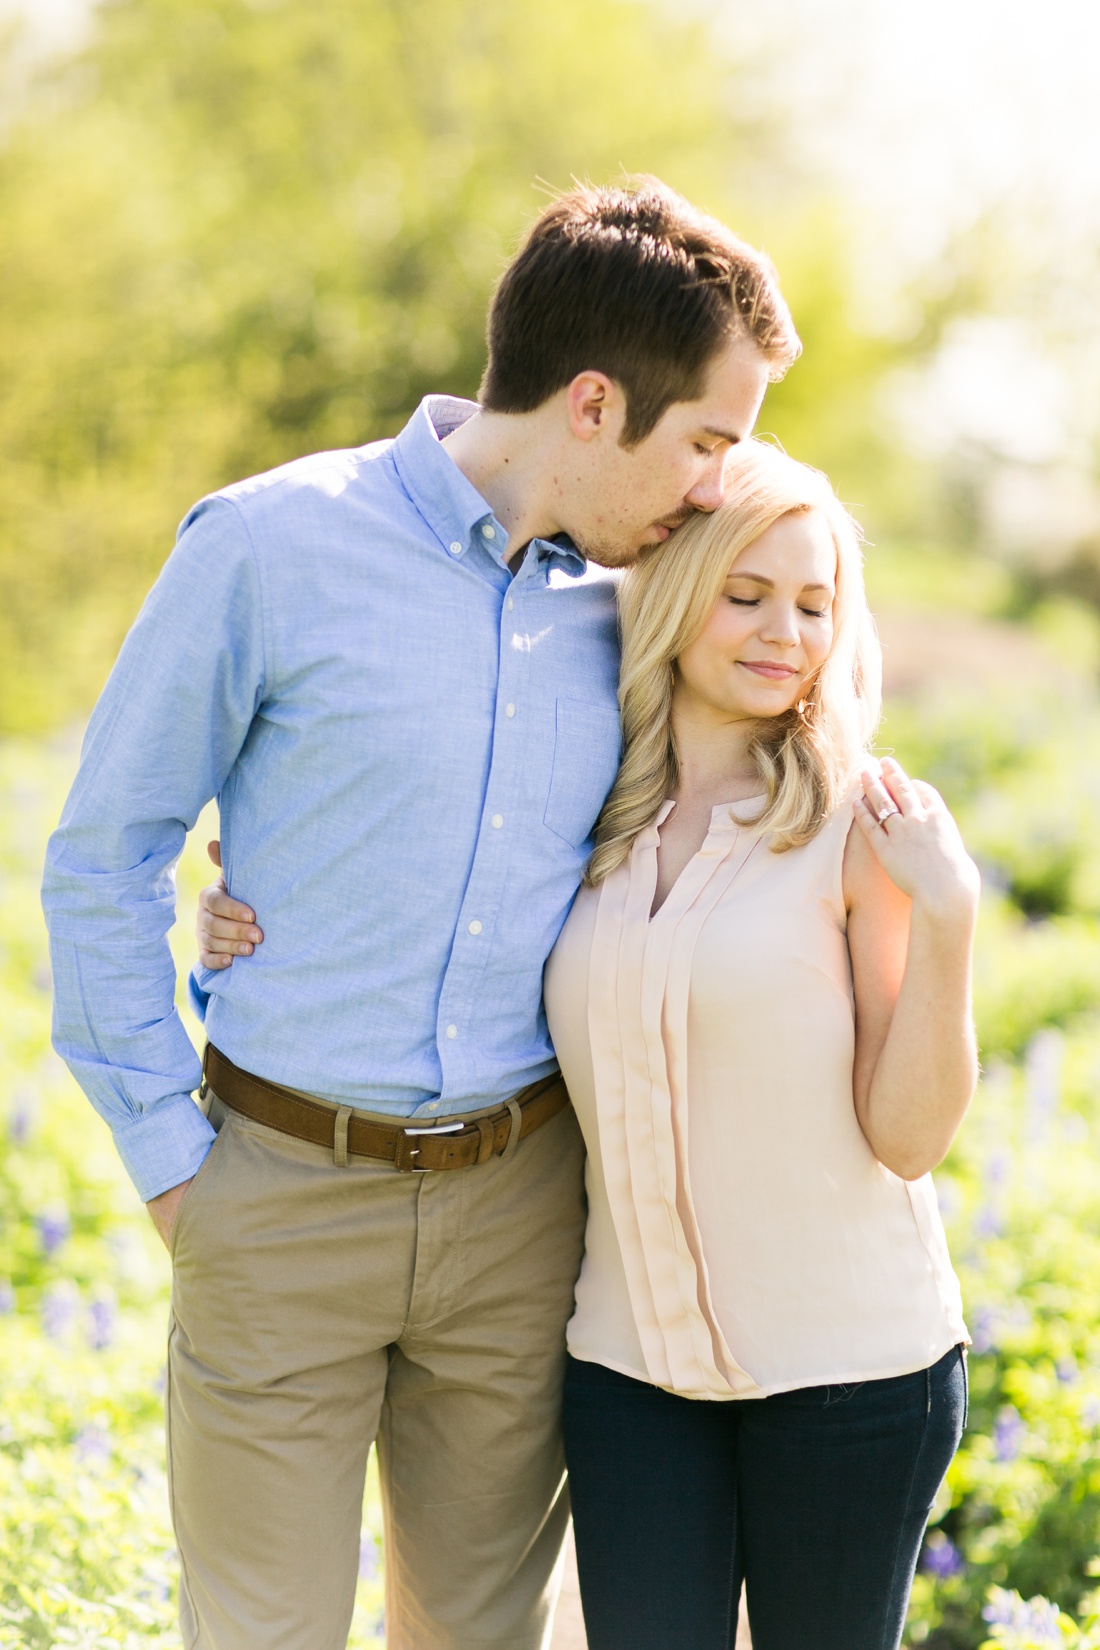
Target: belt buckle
404,1157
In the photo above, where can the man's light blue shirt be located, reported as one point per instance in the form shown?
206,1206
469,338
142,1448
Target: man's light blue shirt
409,748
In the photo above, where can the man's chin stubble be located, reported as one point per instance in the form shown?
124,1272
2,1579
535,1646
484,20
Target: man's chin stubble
618,555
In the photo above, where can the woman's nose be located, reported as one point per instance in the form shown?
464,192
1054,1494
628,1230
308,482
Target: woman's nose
781,627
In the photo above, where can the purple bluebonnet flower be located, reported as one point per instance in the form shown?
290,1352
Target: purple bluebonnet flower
1008,1433
59,1308
1090,1411
988,1222
1042,1077
941,1558
54,1226
7,1297
1002,1611
21,1119
1034,1622
947,1196
368,1558
1066,1371
997,1166
984,1323
102,1314
92,1443
157,1587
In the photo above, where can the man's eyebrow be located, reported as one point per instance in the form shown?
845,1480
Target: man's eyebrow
722,435
758,578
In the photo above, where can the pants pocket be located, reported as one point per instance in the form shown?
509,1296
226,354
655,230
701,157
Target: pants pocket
193,1193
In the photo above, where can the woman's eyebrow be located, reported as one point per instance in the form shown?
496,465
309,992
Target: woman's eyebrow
758,578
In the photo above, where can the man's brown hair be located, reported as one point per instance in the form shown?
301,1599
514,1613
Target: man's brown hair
639,284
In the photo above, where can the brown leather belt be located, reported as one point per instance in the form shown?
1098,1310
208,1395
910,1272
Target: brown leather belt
450,1144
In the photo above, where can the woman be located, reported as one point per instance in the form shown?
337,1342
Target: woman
760,1002
761,1008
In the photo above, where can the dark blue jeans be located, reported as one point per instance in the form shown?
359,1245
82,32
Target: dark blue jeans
817,1499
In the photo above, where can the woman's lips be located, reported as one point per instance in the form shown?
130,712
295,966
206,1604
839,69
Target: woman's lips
774,673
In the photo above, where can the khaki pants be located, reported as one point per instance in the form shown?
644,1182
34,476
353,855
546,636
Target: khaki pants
315,1308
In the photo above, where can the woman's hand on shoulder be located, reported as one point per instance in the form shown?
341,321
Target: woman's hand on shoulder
224,927
915,839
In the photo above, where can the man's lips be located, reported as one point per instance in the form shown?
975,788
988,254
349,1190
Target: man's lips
773,672
667,527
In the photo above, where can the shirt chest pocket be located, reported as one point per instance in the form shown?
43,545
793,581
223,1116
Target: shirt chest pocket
586,759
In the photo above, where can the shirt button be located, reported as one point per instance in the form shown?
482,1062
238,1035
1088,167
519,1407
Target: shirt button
509,711
489,530
475,927
497,821
452,1031
433,1105
455,548
510,604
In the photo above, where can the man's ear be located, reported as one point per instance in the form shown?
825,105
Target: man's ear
594,405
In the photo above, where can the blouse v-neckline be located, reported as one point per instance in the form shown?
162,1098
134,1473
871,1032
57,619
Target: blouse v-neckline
722,829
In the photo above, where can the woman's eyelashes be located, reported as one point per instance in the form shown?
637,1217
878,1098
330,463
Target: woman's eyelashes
754,601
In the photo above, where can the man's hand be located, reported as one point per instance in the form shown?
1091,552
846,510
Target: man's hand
163,1210
224,927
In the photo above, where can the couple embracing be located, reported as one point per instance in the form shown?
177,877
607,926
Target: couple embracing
605,993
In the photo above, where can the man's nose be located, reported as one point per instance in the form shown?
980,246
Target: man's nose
708,490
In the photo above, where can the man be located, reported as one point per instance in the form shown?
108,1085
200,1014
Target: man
381,663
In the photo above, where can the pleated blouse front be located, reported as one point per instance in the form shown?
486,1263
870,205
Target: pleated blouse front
742,1238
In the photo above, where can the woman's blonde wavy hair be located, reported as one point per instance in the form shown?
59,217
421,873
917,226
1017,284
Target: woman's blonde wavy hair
804,757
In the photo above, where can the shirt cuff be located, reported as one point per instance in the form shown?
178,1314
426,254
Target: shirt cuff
165,1145
197,997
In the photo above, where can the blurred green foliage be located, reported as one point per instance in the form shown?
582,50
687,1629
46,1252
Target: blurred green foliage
239,230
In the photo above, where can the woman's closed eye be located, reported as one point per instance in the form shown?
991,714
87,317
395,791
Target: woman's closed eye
754,601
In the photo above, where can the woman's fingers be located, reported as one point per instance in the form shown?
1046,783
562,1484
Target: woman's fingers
928,796
219,935
224,927
866,817
218,902
901,788
877,797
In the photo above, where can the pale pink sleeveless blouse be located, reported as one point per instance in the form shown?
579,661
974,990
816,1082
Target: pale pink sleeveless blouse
742,1238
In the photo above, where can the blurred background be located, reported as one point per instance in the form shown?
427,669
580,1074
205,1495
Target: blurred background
234,231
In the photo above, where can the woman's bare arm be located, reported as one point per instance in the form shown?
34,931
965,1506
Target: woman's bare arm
912,895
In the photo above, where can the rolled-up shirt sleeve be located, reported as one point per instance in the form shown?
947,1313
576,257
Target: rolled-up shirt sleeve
164,736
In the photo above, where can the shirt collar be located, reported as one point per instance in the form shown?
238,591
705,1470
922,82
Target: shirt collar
449,503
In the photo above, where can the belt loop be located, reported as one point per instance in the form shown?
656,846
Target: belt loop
205,1084
485,1144
340,1138
513,1133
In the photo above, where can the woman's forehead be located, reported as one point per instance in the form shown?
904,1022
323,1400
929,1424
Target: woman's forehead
798,544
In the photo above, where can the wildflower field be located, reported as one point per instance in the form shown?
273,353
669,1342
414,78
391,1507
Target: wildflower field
1012,1558
87,1557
